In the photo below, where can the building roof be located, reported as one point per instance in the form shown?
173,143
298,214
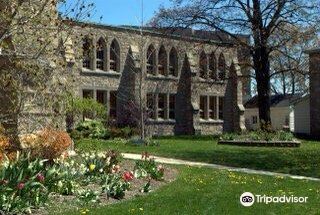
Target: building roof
215,37
278,100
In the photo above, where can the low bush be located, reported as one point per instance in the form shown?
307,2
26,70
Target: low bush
92,129
136,140
259,136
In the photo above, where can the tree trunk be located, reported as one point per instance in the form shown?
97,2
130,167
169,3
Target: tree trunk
262,70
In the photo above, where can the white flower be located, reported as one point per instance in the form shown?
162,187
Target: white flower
108,161
100,170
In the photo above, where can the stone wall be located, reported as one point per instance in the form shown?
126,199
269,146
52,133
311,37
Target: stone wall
186,84
314,68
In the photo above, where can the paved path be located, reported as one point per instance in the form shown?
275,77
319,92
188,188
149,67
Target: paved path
215,166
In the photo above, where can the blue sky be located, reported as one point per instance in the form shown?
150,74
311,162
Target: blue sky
125,12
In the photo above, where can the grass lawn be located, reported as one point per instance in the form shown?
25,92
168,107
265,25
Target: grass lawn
208,191
300,161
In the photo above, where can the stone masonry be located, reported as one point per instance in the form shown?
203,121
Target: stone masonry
189,85
314,68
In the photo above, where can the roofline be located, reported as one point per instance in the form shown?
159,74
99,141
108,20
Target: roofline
172,36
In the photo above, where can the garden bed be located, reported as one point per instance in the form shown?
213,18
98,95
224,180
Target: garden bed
61,203
260,143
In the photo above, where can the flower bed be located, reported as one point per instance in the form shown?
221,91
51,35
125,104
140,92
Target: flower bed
260,143
260,138
29,184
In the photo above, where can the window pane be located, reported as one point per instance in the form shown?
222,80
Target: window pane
203,102
150,60
172,106
161,105
213,107
101,96
87,94
221,108
113,104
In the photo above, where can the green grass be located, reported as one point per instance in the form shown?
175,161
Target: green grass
300,161
208,191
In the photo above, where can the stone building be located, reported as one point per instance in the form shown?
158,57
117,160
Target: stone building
188,82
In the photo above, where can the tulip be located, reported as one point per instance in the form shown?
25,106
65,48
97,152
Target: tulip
127,176
20,186
40,177
92,167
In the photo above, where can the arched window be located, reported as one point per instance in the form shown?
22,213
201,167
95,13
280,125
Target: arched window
86,53
151,60
212,67
221,67
162,61
115,56
101,47
173,62
203,65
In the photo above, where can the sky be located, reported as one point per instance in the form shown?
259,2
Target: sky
125,12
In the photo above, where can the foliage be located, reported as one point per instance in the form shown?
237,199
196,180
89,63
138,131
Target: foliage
93,129
48,143
146,188
53,143
99,163
149,166
115,186
96,130
136,140
125,132
88,196
260,135
22,184
89,107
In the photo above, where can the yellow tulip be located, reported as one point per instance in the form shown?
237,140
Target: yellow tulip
92,167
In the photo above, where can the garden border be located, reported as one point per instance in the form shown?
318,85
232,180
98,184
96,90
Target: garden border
261,143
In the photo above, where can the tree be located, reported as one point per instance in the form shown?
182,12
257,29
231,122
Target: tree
32,40
262,20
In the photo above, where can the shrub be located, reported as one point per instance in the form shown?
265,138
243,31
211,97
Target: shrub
125,132
136,140
78,106
53,143
259,135
93,129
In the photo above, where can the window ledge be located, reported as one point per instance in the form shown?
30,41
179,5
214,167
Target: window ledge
89,72
161,121
211,121
201,80
161,77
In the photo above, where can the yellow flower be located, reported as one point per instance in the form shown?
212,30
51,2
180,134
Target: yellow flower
141,209
92,167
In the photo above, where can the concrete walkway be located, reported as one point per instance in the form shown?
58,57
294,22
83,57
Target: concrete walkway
215,166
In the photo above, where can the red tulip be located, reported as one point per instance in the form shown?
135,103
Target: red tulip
20,186
40,177
127,176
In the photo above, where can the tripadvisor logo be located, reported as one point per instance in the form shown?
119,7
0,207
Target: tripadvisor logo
247,199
